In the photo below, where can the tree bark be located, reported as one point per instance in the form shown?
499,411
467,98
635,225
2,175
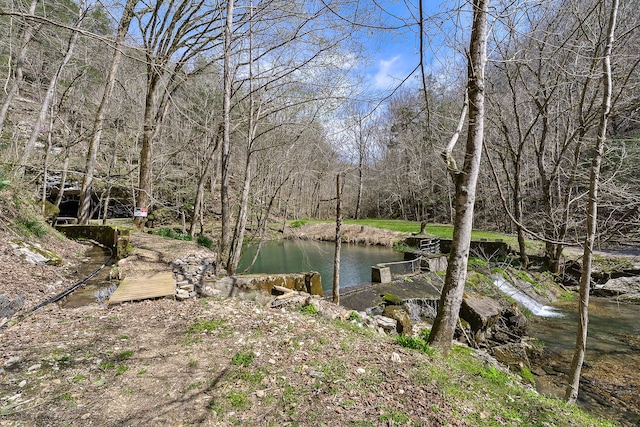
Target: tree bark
571,394
225,233
444,325
336,256
98,124
27,35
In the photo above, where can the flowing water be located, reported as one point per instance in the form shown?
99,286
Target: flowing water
98,288
293,256
525,300
611,372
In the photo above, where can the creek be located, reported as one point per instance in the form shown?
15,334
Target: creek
293,256
98,288
611,373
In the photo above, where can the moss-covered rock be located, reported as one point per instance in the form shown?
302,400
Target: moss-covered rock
396,312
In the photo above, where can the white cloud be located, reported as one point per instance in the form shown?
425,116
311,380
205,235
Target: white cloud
388,73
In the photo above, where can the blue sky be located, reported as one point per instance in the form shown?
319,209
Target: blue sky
395,54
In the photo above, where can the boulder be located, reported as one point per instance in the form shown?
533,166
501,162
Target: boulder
399,314
481,312
513,354
625,288
386,323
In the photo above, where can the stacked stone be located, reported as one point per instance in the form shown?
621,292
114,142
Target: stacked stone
190,273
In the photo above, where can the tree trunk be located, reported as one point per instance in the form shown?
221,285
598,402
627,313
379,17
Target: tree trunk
27,35
592,213
98,124
199,202
63,178
225,233
441,335
336,257
51,91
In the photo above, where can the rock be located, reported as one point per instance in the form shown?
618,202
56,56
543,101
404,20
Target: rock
34,253
421,309
316,374
399,314
513,354
11,362
9,307
385,323
182,295
625,288
395,358
480,312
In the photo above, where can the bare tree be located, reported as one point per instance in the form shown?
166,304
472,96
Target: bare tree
98,124
592,212
51,91
444,325
173,34
338,243
20,58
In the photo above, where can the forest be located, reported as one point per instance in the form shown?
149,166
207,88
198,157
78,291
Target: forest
243,114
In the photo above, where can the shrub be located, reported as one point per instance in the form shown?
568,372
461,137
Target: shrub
172,234
33,227
205,241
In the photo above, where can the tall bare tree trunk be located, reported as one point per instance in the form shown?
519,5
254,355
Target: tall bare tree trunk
336,257
592,213
241,222
51,91
90,165
441,335
21,57
225,233
198,206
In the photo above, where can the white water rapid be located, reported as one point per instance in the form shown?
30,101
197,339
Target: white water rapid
529,303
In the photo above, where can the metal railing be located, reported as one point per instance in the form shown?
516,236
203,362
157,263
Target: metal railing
430,245
399,268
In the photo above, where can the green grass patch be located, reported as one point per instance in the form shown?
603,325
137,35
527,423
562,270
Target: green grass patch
206,326
495,397
297,223
242,358
122,369
309,309
32,227
416,343
124,355
170,233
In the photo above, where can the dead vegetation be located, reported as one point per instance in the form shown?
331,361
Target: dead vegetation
351,233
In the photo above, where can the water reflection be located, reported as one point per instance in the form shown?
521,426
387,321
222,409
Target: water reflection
293,256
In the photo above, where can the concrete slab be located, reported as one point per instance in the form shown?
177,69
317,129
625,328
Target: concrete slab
369,295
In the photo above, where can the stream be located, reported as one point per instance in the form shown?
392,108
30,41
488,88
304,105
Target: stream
98,288
611,375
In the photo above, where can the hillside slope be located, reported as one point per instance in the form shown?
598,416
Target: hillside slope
225,362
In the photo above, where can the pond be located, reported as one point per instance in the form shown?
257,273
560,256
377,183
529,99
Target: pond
293,256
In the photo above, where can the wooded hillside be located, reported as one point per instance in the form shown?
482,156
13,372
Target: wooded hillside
244,113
